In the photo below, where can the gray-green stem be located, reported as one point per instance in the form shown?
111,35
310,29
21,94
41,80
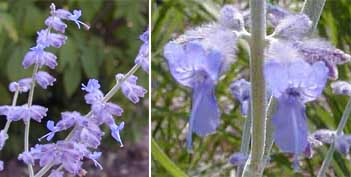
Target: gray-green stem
313,9
269,130
107,97
27,123
14,102
245,139
339,130
253,166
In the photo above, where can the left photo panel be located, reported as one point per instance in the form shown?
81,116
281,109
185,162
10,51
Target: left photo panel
74,88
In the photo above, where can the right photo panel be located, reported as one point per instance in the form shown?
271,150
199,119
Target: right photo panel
250,88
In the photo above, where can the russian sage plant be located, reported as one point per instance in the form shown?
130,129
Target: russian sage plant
288,70
66,156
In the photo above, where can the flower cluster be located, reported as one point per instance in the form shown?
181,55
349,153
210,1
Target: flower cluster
196,60
38,57
296,69
86,133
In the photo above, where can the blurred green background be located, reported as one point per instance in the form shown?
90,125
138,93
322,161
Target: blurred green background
171,103
108,48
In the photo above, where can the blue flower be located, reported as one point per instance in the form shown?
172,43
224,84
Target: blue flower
143,55
115,132
44,79
22,85
293,82
241,90
38,56
130,89
46,39
194,67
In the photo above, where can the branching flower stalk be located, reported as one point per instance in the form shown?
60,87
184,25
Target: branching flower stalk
86,134
106,98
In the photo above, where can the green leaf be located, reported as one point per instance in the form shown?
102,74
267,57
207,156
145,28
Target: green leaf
71,79
6,21
4,95
68,55
162,159
89,9
14,68
90,63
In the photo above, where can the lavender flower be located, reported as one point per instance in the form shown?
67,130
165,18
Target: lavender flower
115,130
343,143
193,67
94,93
230,17
46,39
293,82
44,79
341,88
55,20
66,153
26,113
75,16
276,14
143,55
22,85
89,133
314,50
238,159
39,57
241,90
27,158
56,173
104,112
293,27
130,88
94,156
324,135
1,165
56,23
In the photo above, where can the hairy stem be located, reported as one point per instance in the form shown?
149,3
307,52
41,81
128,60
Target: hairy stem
339,130
245,139
269,130
313,9
253,167
14,102
107,97
27,123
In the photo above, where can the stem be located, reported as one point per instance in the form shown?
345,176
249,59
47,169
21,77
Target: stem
27,123
313,9
339,130
106,98
245,139
253,167
14,102
269,134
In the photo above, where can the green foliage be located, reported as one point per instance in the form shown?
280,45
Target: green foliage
108,48
171,103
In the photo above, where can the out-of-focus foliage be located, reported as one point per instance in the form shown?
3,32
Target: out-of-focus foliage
109,47
171,103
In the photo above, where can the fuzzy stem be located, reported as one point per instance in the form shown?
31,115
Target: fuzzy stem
245,139
269,133
339,130
253,167
14,101
27,123
107,97
313,9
